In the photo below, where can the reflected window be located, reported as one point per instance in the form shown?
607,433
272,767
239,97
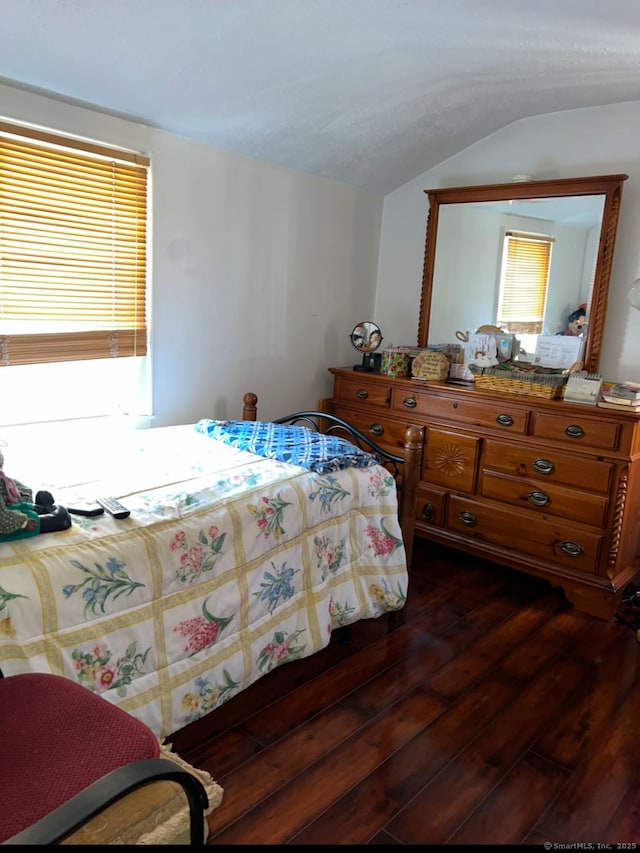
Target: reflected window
524,283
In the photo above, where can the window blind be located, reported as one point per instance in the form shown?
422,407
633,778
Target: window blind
525,279
73,235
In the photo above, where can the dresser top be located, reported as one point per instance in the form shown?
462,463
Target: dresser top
420,386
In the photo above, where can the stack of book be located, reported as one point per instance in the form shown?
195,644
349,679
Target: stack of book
621,395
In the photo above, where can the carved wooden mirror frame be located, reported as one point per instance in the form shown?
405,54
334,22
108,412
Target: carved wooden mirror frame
609,186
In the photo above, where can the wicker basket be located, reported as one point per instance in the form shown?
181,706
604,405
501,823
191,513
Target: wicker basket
529,384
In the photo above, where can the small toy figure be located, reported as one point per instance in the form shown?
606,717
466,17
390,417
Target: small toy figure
575,322
20,516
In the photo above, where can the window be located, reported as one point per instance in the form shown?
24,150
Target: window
73,279
73,248
524,281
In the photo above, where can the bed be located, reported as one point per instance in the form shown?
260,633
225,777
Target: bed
240,554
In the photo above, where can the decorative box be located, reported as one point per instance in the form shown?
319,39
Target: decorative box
395,361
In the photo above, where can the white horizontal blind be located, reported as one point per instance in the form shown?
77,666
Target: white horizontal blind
73,234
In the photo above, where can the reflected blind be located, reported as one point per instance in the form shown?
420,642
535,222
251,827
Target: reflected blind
73,235
525,280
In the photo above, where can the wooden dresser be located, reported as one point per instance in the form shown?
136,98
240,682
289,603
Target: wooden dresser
542,486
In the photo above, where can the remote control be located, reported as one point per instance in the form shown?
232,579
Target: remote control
114,507
89,509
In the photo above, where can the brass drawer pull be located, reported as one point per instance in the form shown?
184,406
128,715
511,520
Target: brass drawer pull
428,512
543,466
571,548
409,402
467,518
574,431
361,394
504,420
376,429
539,498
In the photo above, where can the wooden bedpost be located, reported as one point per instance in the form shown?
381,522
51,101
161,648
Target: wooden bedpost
249,407
325,405
410,477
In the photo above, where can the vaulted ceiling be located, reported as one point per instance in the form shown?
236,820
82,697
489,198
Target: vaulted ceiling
367,92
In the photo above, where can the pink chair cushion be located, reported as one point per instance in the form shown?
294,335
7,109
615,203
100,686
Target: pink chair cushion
56,738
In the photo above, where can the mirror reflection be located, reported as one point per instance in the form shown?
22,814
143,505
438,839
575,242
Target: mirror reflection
366,337
526,267
530,258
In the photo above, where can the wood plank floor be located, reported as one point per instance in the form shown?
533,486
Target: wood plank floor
489,712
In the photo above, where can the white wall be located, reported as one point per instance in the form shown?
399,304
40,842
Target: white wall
258,273
595,141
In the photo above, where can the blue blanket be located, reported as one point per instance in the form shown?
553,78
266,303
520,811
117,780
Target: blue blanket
294,444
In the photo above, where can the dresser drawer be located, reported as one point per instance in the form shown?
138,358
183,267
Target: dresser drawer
548,498
577,431
482,414
553,465
543,538
359,391
430,506
390,435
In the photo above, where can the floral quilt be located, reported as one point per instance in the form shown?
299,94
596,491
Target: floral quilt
229,565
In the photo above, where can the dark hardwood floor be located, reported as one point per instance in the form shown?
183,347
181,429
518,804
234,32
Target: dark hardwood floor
490,711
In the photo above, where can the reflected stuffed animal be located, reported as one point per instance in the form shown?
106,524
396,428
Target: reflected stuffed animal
20,516
576,321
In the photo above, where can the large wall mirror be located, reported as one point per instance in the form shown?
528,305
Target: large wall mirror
464,265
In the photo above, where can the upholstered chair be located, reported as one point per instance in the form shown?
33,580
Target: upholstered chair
77,769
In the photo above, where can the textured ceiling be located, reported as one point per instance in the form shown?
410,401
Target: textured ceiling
368,92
